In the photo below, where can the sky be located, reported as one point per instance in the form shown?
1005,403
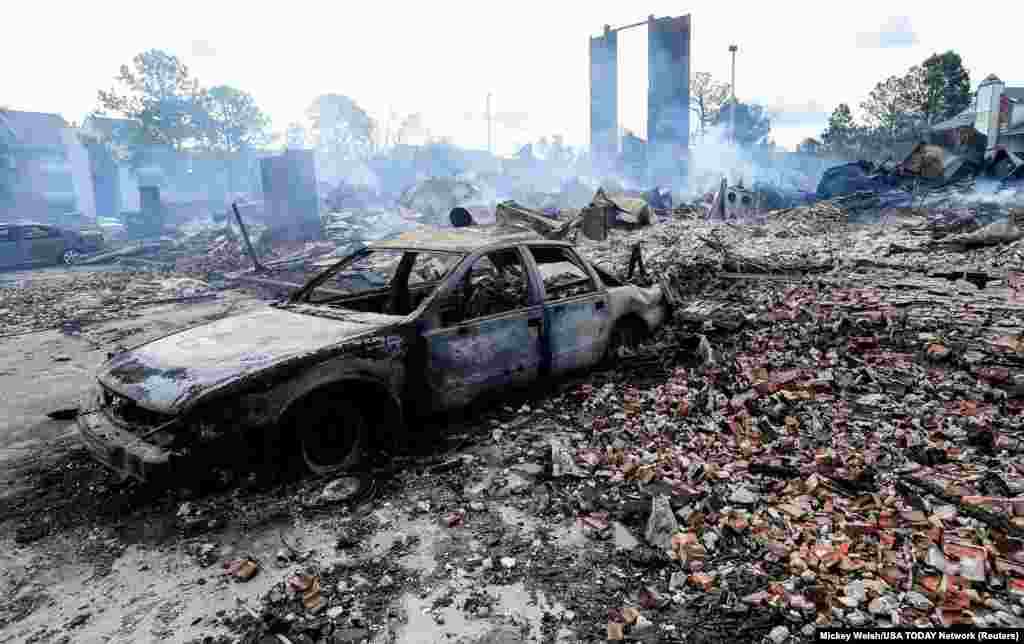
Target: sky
441,59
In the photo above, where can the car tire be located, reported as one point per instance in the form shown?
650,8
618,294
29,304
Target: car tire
333,434
70,257
628,333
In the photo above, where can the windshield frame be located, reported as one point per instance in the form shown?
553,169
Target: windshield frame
302,295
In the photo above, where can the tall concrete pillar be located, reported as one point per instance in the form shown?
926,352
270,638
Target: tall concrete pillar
668,99
604,98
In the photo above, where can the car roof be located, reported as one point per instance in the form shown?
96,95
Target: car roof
458,240
8,224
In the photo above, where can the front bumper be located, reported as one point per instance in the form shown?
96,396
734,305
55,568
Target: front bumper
118,449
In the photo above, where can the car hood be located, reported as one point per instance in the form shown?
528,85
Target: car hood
168,374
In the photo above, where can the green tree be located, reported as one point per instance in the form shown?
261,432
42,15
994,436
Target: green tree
840,137
706,99
157,91
937,89
230,120
892,105
752,122
341,129
906,106
949,85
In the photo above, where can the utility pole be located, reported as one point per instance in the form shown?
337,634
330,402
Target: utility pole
732,110
490,148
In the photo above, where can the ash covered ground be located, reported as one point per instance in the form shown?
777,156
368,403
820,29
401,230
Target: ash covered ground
826,433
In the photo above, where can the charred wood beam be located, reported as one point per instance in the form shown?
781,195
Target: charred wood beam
775,471
991,519
248,243
636,261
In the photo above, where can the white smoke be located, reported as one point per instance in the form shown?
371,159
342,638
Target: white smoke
986,191
714,157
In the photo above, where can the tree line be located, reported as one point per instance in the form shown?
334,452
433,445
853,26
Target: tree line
168,106
712,104
899,109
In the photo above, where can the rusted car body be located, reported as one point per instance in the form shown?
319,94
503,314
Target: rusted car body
404,327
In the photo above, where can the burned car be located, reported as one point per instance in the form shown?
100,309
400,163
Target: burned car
424,322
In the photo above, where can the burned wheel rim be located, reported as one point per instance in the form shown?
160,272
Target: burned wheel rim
70,257
333,435
626,334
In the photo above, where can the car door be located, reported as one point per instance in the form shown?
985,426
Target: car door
43,244
488,335
576,317
10,248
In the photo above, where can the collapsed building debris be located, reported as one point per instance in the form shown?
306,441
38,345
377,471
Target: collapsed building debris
621,210
722,466
435,197
734,202
929,173
509,213
753,427
62,301
719,481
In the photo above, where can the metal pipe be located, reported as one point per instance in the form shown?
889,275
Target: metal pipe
609,30
248,244
635,24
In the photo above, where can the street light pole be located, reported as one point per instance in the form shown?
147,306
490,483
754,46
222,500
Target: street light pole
732,111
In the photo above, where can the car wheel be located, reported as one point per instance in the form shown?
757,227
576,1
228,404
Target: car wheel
70,257
627,334
333,433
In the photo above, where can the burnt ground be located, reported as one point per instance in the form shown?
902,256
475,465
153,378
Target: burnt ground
73,513
66,499
89,557
788,456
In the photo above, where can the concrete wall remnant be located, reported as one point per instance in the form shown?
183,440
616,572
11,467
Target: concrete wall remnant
668,98
604,88
292,204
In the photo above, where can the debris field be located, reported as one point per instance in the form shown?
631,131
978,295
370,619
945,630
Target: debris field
827,434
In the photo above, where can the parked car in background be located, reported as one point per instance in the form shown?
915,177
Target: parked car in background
31,244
